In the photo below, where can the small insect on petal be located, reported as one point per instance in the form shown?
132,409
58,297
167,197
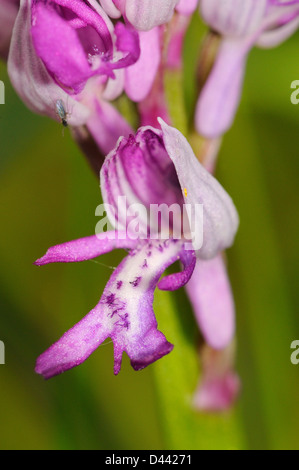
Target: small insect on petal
61,112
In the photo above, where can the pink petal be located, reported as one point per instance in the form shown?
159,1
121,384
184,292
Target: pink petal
124,313
176,281
187,7
69,64
139,169
234,18
274,37
30,77
110,8
211,297
127,42
220,96
75,346
146,14
113,87
220,218
86,248
140,76
107,125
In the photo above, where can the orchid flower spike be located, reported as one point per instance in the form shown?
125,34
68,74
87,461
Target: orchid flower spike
59,46
153,167
242,24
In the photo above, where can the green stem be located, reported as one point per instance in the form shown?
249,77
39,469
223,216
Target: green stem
176,377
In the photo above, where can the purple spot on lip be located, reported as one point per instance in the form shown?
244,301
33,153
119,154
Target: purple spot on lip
149,254
145,265
136,281
119,284
132,252
113,313
123,321
114,303
110,299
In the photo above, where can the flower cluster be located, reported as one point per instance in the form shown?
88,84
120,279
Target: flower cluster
71,60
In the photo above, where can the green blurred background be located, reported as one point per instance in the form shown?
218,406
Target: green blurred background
48,195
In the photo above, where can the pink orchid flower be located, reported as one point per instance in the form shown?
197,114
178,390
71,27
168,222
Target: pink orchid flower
154,166
69,52
58,46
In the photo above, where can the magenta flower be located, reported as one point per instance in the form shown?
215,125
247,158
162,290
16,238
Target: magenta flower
60,46
8,14
96,63
155,166
139,77
124,313
160,167
237,18
243,24
142,14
